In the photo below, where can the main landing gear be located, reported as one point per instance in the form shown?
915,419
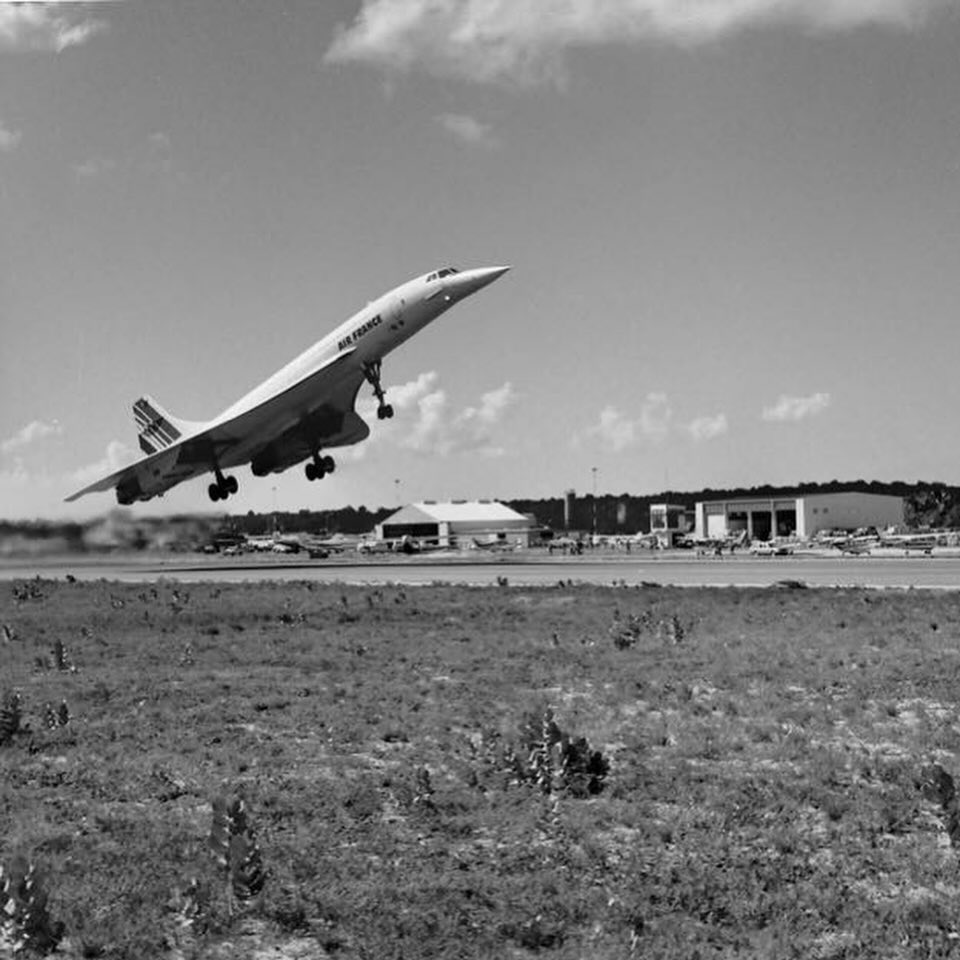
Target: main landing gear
319,467
372,372
223,488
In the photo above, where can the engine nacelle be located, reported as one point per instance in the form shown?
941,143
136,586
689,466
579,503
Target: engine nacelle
274,460
128,491
150,480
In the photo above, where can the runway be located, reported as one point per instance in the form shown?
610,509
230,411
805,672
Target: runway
917,572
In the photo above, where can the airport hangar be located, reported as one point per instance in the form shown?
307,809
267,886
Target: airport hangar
458,523
800,515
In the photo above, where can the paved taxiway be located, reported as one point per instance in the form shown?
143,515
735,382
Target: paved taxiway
816,571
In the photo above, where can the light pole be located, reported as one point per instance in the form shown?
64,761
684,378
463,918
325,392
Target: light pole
396,487
594,471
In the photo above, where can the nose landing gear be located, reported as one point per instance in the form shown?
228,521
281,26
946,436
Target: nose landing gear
372,372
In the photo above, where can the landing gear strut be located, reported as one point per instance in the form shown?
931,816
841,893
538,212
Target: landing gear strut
372,372
319,467
224,486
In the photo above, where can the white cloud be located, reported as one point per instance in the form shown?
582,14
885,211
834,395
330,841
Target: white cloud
16,477
492,406
520,40
9,139
706,428
655,416
152,158
617,432
424,422
117,455
27,491
428,433
407,395
31,433
468,129
46,26
93,168
796,408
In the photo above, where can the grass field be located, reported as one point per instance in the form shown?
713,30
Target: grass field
502,772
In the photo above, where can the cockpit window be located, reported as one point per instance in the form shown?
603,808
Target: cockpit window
445,272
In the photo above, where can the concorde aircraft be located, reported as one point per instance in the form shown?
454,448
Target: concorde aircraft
304,408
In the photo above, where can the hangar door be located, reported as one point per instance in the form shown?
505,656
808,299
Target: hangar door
786,522
761,524
416,531
716,521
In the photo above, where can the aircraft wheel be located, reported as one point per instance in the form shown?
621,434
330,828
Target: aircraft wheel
231,485
214,491
388,412
311,471
329,465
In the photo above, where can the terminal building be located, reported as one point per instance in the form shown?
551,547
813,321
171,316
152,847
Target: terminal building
458,523
801,516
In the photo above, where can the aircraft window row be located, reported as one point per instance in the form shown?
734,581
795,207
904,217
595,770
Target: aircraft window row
445,272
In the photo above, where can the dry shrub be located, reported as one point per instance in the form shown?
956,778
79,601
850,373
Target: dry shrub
25,922
234,844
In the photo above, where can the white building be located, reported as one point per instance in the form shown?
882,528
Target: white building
670,521
458,523
801,515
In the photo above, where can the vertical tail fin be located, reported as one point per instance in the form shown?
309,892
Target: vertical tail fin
155,427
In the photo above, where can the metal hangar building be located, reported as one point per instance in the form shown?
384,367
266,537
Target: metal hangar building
457,523
803,515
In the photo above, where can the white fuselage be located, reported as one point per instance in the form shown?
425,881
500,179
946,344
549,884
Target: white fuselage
371,333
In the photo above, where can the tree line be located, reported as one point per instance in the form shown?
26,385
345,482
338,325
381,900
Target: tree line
927,505
933,504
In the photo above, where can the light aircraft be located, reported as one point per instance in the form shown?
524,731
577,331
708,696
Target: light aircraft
316,547
303,408
493,546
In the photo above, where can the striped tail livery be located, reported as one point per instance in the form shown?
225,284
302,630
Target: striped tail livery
157,430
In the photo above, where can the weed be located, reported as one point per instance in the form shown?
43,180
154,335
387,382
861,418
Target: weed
234,845
24,592
25,922
11,716
189,909
423,790
54,717
551,760
662,630
61,659
626,634
939,786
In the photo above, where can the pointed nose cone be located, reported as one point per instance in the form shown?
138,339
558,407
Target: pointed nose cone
470,281
485,275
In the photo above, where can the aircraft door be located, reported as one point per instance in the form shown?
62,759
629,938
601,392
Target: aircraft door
397,323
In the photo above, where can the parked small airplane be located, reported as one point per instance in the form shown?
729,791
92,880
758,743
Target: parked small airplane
493,546
306,406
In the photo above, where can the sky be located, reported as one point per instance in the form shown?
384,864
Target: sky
733,226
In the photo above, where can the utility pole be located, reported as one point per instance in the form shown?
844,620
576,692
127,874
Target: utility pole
594,469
